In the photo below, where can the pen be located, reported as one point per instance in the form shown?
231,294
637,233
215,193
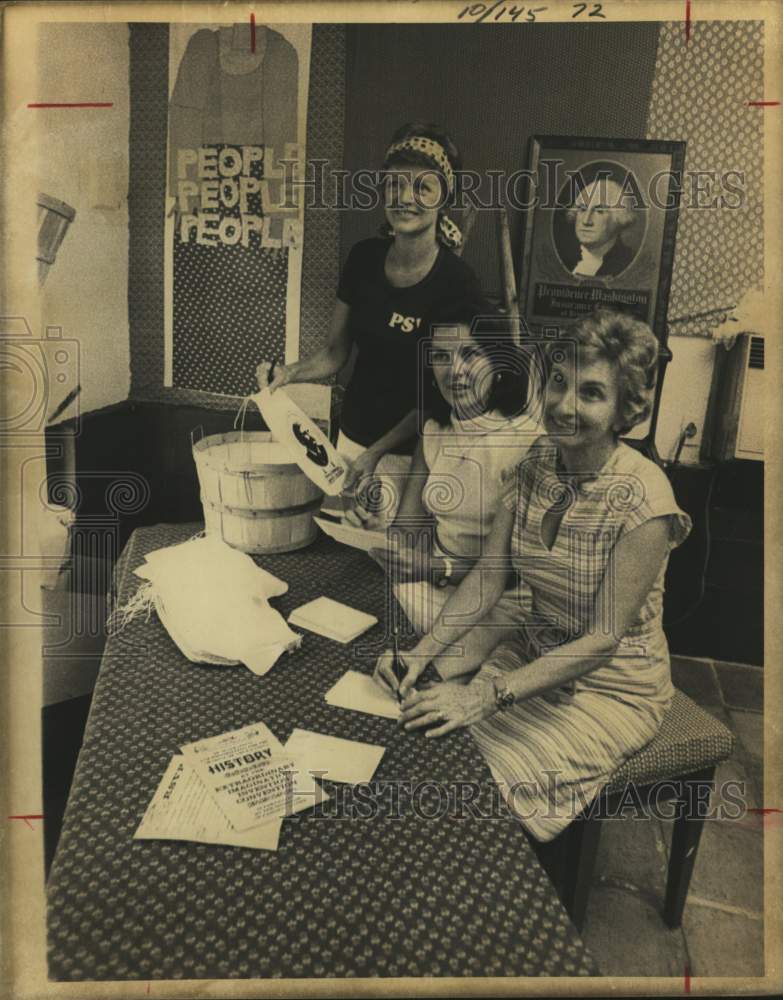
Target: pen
397,665
65,403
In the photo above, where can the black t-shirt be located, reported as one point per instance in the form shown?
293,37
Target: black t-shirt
387,324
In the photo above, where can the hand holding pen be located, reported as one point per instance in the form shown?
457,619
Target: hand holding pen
394,673
273,374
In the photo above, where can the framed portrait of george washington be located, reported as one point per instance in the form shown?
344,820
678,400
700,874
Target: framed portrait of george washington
600,228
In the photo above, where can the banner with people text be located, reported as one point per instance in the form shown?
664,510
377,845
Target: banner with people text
234,219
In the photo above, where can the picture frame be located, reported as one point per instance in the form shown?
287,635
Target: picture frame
627,192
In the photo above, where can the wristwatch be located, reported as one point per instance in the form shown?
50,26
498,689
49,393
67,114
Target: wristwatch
448,569
504,696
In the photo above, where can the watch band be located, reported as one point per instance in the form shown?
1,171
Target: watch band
504,696
448,569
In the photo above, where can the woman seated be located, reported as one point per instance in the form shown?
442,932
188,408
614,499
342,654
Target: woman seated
480,428
590,522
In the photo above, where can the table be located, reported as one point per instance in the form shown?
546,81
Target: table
402,886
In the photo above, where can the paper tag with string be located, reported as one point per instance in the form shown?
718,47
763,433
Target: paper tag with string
309,447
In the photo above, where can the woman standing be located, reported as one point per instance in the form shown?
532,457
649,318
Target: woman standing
390,290
586,681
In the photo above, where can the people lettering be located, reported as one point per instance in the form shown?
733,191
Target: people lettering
228,195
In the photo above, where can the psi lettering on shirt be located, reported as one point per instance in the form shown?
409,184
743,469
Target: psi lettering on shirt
406,323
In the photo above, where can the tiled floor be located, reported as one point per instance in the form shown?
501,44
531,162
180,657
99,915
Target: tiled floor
723,931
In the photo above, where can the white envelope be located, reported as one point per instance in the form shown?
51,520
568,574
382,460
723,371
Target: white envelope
332,618
334,758
359,693
357,538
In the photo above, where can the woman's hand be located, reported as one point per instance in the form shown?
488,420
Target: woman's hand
358,484
283,374
384,675
361,468
452,704
356,515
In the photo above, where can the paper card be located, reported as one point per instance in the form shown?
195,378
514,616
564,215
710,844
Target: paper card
183,809
347,534
332,619
360,693
308,446
350,761
250,777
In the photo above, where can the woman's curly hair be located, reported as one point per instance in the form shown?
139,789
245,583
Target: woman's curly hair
630,344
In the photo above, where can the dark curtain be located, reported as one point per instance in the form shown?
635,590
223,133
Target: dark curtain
492,87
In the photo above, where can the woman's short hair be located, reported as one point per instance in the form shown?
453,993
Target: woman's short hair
629,343
495,335
412,158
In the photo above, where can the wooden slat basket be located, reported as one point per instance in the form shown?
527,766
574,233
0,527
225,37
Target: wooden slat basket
254,497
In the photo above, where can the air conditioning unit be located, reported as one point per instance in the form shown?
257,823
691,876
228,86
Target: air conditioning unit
736,410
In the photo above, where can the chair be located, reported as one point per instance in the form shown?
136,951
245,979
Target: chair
678,763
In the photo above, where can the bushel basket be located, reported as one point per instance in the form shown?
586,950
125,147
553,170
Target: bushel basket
254,497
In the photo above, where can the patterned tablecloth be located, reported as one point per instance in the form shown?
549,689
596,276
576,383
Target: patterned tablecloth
414,874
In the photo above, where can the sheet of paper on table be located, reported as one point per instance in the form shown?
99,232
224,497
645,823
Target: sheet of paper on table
345,533
251,777
183,809
360,693
336,759
332,619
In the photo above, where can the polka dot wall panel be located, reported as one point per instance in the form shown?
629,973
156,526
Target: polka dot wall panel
700,94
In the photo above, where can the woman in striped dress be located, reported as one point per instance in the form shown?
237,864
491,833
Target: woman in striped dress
588,523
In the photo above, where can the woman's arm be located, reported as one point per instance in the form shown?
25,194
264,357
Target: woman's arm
399,434
411,505
365,464
473,599
630,574
325,362
398,558
478,592
412,508
404,559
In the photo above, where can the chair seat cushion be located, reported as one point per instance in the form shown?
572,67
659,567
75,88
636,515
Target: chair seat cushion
689,740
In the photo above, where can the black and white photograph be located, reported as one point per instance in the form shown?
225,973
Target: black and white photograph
608,236
597,235
386,395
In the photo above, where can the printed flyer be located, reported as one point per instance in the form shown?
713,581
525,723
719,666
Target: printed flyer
250,776
183,809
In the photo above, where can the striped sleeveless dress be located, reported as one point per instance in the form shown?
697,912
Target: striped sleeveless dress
552,754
